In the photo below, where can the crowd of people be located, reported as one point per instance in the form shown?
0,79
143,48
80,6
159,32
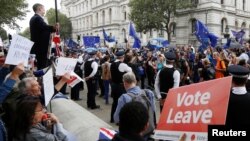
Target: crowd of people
137,78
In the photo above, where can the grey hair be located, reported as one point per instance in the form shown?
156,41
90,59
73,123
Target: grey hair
36,6
24,84
129,77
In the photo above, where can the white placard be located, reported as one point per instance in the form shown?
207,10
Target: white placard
75,79
1,42
48,85
19,51
65,65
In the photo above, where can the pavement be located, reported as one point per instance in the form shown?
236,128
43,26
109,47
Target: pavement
105,110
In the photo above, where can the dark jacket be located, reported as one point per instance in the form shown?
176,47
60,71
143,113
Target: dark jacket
40,35
127,137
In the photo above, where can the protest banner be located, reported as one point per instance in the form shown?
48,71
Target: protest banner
65,65
75,79
48,85
19,51
189,109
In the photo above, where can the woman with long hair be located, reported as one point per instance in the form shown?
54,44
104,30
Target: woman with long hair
30,123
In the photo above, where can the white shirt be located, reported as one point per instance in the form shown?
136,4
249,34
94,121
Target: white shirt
239,90
123,67
94,66
176,77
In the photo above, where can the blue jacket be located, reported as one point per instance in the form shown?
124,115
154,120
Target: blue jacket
125,98
5,89
3,72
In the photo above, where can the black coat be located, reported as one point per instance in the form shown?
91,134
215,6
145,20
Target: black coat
40,35
238,112
127,137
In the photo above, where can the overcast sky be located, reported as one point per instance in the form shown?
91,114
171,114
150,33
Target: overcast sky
47,4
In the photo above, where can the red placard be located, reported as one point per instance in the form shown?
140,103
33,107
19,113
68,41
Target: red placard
189,109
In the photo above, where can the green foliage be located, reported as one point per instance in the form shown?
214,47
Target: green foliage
26,33
65,24
155,14
3,33
11,11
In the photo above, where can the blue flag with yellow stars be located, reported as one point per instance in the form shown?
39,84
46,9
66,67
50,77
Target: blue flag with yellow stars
91,41
204,36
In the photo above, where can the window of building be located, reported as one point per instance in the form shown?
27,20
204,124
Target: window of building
235,3
96,2
243,26
91,21
236,25
103,17
223,25
82,7
222,1
244,5
83,23
87,6
90,2
124,34
87,23
173,29
110,15
193,22
102,1
97,19
124,13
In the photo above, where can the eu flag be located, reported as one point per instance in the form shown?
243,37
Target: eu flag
203,35
71,44
238,35
107,38
91,41
137,42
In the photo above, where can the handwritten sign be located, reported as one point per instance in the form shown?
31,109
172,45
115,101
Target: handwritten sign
189,109
65,65
75,79
48,86
19,51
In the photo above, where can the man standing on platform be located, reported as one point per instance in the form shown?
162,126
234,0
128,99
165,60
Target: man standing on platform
40,35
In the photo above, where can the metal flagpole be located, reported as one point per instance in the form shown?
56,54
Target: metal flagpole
56,11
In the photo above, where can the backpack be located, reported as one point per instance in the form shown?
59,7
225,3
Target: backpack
143,98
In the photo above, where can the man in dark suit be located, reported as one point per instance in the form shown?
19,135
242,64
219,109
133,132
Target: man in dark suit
40,35
238,112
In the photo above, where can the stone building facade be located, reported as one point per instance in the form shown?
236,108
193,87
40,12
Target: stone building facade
89,17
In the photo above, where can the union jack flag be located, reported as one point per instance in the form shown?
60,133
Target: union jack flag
106,134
